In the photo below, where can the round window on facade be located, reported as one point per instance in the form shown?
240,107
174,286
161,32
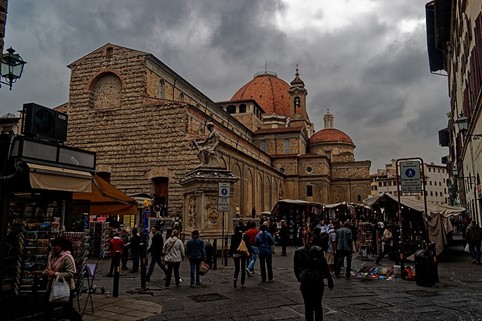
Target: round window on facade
282,170
308,170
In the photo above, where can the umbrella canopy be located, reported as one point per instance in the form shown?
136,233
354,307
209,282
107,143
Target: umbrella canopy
105,199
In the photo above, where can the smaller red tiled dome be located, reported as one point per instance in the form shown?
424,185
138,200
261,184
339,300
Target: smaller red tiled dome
330,135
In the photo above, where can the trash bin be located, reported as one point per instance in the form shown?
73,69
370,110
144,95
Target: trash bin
425,268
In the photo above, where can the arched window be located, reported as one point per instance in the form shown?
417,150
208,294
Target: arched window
109,52
242,108
181,97
309,190
262,145
231,109
297,102
161,89
286,147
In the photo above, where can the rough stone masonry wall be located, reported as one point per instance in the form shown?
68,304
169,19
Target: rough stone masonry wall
132,140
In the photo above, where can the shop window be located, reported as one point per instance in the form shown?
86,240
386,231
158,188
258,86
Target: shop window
309,190
242,108
231,109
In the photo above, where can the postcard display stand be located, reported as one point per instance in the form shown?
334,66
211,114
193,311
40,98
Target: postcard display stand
100,233
31,226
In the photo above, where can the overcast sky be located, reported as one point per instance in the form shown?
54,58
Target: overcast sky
365,60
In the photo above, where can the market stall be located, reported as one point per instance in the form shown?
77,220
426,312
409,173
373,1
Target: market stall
418,227
297,214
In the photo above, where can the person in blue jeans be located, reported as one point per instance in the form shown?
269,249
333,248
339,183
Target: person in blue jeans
253,249
344,248
196,253
264,242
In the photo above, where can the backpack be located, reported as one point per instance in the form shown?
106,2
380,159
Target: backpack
312,273
325,241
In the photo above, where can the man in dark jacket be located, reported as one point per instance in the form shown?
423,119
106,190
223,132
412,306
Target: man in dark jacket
310,268
135,242
344,248
156,252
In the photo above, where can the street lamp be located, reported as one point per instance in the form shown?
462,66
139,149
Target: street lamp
11,67
463,124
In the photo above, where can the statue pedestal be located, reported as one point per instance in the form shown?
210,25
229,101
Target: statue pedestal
201,197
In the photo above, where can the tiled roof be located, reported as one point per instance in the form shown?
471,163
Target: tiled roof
270,92
330,135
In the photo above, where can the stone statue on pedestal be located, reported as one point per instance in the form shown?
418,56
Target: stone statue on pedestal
207,148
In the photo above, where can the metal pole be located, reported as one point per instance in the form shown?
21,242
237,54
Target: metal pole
222,240
226,256
115,289
215,257
143,257
402,261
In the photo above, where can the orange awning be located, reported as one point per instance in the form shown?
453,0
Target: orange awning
105,199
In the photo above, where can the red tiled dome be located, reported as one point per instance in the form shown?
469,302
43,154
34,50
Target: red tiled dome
270,92
330,135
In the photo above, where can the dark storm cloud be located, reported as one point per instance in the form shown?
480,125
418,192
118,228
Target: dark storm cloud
374,79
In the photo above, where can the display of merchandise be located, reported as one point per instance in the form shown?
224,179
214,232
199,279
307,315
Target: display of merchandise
365,241
100,233
32,225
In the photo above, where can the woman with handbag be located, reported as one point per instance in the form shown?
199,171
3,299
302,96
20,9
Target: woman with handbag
61,270
240,253
174,254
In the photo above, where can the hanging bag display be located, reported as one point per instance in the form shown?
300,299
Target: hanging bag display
60,292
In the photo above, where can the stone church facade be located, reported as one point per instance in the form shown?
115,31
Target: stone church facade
141,118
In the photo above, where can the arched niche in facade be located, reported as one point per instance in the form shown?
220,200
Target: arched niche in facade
106,91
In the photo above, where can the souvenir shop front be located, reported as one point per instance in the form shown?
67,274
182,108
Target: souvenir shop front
103,212
38,180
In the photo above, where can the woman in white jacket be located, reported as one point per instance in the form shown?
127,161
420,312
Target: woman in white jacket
173,254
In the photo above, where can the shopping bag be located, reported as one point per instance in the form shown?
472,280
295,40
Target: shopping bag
203,268
163,261
467,249
242,248
60,292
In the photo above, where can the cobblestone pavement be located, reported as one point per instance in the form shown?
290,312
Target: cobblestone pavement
458,296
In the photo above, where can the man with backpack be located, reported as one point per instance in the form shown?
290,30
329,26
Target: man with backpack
310,269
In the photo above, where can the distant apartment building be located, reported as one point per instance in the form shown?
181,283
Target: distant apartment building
436,182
